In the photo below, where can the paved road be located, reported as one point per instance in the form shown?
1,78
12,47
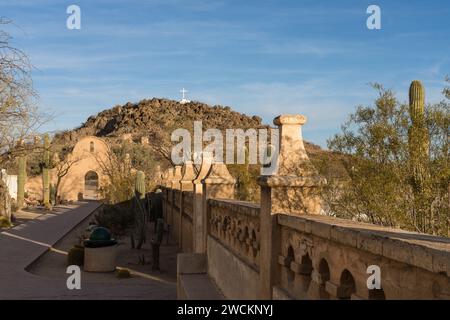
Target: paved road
22,245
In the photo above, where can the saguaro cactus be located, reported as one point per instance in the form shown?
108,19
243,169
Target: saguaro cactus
418,140
140,216
52,194
416,101
46,171
21,177
139,186
418,143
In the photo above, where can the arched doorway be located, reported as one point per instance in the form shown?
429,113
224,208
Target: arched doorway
347,285
91,185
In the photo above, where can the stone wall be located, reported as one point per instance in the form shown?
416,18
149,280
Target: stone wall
283,248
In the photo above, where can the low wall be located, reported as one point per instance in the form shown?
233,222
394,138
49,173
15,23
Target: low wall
324,257
235,278
316,257
233,247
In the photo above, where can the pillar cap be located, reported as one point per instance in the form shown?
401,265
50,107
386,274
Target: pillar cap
219,174
296,119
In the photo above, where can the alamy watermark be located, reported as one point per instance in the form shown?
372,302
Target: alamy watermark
74,280
73,21
374,280
231,150
374,20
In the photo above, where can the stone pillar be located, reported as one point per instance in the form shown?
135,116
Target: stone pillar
164,191
168,185
167,177
185,185
176,178
293,189
198,203
174,185
218,184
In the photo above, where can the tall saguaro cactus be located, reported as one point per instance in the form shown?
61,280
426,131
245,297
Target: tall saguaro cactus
46,171
21,177
418,140
418,143
140,216
139,186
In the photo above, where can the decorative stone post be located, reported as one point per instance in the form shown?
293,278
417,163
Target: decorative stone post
198,203
185,185
218,183
293,189
174,185
167,176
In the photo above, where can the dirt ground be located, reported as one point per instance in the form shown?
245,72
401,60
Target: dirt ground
53,264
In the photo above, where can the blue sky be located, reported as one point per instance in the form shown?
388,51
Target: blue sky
259,57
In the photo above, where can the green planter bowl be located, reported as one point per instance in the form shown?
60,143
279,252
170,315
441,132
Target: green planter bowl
100,237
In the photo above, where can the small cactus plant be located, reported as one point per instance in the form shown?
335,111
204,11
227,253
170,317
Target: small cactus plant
140,184
21,177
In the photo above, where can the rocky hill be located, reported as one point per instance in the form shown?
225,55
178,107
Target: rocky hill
157,118
140,118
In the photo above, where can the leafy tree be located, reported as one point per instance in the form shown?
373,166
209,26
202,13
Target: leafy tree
379,184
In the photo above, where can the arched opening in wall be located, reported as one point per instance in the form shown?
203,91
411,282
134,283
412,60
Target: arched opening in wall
377,294
324,271
347,285
91,185
305,271
254,244
91,146
290,258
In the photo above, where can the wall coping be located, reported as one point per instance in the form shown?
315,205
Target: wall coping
244,207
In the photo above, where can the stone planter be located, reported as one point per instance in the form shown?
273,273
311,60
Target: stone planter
101,259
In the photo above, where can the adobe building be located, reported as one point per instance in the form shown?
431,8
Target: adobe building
84,178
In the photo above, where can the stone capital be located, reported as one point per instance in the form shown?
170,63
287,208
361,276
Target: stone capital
219,174
296,119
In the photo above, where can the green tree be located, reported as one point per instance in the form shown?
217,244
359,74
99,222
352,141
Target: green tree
380,184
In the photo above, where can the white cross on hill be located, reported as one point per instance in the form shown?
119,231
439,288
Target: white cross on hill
184,100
